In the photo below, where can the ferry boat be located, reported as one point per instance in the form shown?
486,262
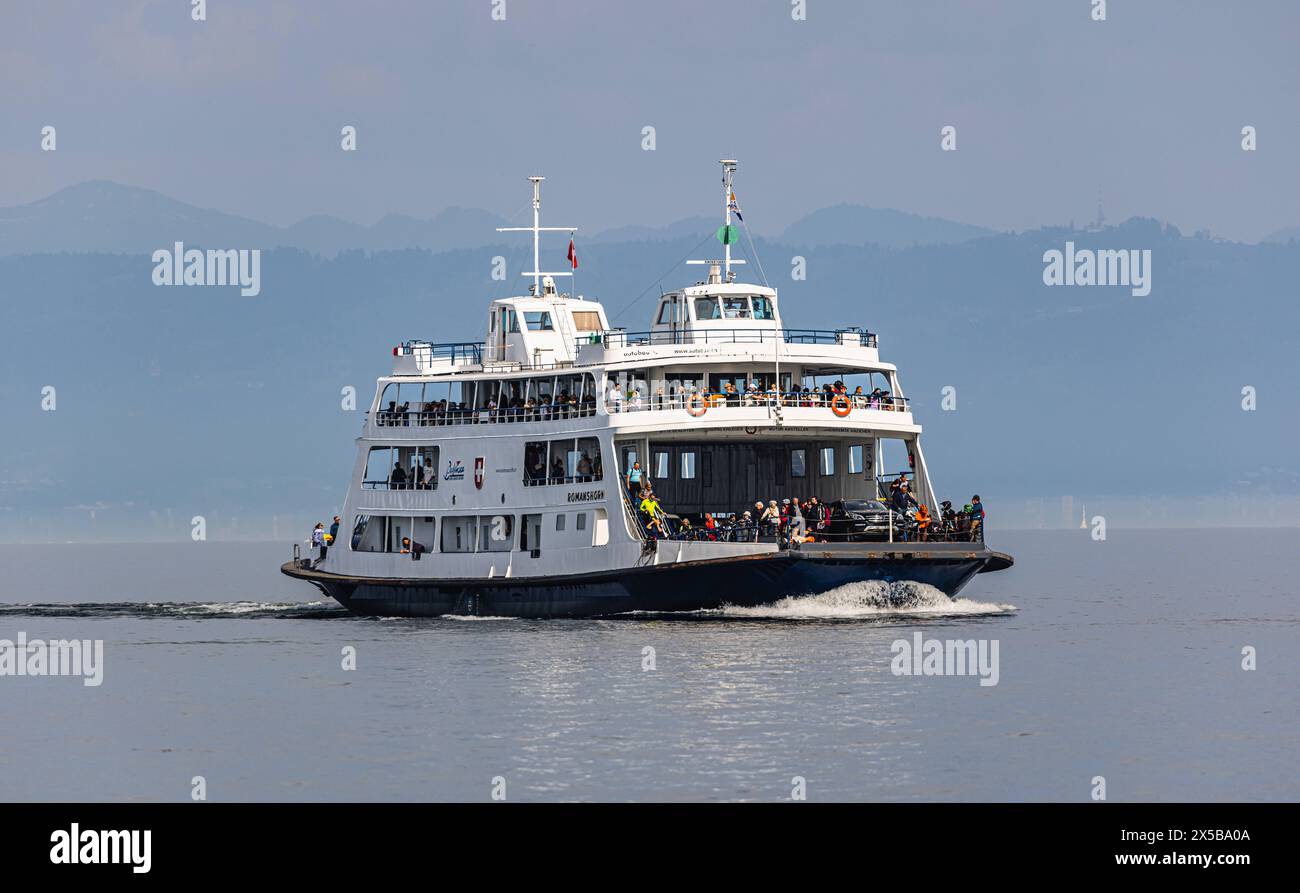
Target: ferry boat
505,477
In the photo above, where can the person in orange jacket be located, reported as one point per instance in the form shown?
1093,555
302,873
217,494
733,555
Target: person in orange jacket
923,521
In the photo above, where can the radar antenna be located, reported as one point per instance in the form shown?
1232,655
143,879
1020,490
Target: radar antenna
537,229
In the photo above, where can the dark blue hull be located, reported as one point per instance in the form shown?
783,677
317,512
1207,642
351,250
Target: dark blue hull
744,581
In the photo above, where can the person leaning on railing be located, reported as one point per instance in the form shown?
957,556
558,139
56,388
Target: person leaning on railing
976,511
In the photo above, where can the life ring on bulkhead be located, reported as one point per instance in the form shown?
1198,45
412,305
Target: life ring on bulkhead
841,406
697,405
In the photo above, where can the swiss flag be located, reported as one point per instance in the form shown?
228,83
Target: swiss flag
573,255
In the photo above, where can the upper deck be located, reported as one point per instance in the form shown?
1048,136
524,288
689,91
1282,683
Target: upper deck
852,346
551,358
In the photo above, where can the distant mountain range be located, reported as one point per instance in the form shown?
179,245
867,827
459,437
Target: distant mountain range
858,225
101,216
1289,234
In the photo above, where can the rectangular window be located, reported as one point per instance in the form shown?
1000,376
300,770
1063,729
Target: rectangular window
368,537
559,522
855,459
581,521
530,534
588,466
397,529
459,533
688,465
496,533
661,464
422,532
401,468
707,308
826,461
535,462
586,321
762,308
538,321
798,464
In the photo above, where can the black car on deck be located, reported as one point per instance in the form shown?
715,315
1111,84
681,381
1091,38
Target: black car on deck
855,520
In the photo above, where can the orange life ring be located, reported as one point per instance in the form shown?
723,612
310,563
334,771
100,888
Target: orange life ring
841,406
697,405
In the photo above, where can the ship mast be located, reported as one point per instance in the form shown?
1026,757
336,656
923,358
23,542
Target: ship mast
726,232
537,229
728,172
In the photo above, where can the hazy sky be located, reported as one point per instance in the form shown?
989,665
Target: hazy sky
242,112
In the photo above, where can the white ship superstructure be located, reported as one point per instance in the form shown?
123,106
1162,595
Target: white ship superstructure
493,477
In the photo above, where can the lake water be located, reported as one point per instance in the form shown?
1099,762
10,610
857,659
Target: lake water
1120,659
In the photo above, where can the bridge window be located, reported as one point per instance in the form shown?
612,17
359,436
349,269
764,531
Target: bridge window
798,463
707,308
763,308
586,321
735,308
538,321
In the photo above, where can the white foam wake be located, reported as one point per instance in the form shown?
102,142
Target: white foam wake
870,598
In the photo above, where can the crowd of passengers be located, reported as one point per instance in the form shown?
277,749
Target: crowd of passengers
565,405
515,409
753,395
419,477
794,522
535,470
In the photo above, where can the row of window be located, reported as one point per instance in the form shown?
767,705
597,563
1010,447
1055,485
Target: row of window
564,461
475,533
404,404
541,321
798,463
416,466
725,307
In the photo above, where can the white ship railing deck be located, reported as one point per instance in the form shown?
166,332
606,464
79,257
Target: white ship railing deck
459,415
418,357
848,337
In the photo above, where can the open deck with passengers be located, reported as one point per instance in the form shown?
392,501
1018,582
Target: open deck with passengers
562,466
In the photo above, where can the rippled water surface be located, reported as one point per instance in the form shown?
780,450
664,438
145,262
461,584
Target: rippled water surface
1121,658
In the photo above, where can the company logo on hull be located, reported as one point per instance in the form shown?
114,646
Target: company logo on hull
455,470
